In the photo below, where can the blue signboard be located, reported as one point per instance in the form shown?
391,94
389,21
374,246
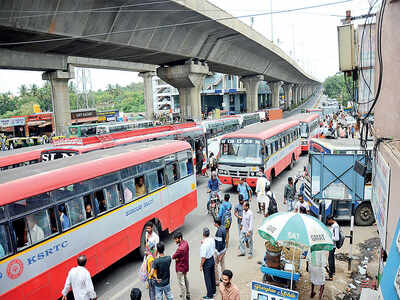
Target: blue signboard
263,291
390,283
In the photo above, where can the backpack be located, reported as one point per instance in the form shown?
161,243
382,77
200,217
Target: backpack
143,274
272,206
227,218
340,242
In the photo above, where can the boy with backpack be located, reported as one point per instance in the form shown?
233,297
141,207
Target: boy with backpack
225,215
337,238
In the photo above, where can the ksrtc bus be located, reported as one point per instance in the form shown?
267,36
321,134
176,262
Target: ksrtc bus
104,199
20,157
83,130
274,145
116,127
333,187
309,129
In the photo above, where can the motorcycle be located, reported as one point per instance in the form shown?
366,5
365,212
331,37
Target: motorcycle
214,204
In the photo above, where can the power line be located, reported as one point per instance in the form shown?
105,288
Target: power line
171,25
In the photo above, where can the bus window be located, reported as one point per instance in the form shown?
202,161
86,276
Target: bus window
88,207
76,210
100,204
63,216
171,173
140,186
183,168
189,165
5,245
129,190
113,196
29,204
153,181
276,146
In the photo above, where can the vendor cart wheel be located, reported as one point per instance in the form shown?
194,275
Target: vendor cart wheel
364,215
265,278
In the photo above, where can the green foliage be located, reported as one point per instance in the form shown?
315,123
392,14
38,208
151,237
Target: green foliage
127,99
335,87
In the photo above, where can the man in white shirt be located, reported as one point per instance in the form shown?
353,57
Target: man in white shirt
301,205
262,181
152,238
80,281
207,263
36,233
334,228
246,232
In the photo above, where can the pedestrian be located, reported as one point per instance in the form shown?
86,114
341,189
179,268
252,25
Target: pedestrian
151,236
227,289
199,160
136,294
161,271
220,248
225,216
316,263
207,264
334,228
301,205
80,281
181,257
213,162
244,189
289,194
262,182
246,231
270,202
238,212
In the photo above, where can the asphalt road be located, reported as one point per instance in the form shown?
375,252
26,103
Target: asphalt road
117,281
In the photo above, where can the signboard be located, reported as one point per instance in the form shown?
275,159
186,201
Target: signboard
12,122
83,114
380,194
263,291
389,286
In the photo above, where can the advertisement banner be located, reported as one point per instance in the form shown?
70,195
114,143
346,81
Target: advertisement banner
263,291
380,194
12,122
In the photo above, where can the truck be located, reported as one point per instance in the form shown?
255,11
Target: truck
337,181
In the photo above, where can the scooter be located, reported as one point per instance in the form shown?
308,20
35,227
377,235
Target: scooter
213,204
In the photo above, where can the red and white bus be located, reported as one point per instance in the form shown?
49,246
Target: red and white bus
107,198
273,145
20,157
309,129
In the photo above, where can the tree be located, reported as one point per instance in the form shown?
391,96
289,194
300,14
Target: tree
7,103
336,87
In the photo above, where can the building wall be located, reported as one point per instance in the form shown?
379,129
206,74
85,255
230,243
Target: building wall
387,110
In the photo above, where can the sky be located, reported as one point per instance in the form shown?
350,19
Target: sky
309,36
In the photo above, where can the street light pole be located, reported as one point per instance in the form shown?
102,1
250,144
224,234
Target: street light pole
272,28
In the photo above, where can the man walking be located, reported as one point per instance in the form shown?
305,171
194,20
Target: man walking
80,281
262,182
220,248
161,265
301,205
227,289
334,228
207,264
225,216
289,194
238,212
246,232
181,257
244,189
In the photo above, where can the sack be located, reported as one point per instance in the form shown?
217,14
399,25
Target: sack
272,206
340,242
227,218
143,274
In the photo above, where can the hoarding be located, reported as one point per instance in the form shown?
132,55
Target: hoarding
12,122
380,194
263,291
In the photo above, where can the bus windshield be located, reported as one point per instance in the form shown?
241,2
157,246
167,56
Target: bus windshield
304,130
241,151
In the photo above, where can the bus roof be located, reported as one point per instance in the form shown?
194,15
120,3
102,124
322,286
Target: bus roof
21,183
342,144
16,156
304,117
263,130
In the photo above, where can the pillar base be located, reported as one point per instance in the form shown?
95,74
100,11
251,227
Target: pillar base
251,85
188,79
148,93
275,89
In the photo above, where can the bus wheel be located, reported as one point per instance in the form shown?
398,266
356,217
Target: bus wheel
364,215
142,247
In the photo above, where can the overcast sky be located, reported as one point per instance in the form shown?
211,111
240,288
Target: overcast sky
309,36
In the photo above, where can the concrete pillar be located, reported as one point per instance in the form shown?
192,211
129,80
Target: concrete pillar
299,92
188,79
287,88
237,103
225,102
148,93
275,89
251,84
60,98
